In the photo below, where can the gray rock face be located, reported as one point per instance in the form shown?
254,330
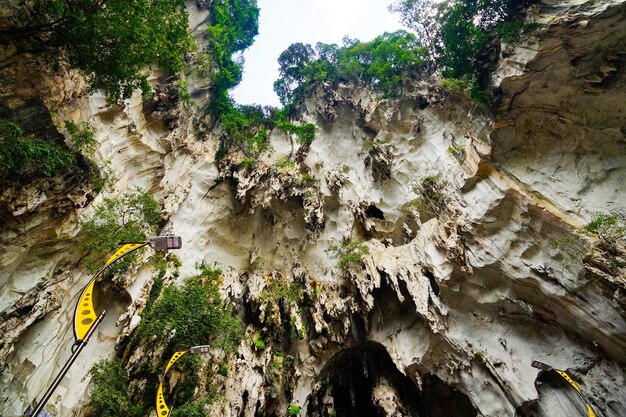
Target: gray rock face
476,263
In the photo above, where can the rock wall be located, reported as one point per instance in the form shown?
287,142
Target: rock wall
477,261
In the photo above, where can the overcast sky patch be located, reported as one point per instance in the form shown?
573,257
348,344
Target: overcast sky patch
283,22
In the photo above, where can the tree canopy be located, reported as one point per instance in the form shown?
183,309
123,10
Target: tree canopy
111,41
380,62
233,26
457,32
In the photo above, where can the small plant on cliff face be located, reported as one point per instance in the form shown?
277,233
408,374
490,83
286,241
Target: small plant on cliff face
455,86
429,201
223,369
23,156
284,163
279,288
480,356
294,410
607,226
82,136
349,253
122,219
259,343
191,409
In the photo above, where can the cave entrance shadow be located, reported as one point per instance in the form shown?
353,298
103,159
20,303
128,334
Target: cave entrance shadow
363,381
556,399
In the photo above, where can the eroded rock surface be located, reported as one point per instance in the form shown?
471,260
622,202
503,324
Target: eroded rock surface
476,266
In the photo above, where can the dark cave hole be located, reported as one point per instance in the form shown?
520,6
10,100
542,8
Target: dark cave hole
244,399
433,282
374,212
363,380
441,399
556,399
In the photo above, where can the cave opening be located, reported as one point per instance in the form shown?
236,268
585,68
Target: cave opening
374,212
363,381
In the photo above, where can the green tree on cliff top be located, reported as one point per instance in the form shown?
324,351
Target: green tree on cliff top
111,41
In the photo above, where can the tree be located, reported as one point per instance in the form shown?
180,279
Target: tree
381,63
419,16
457,32
111,41
292,62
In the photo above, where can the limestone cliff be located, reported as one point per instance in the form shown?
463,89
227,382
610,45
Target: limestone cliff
477,262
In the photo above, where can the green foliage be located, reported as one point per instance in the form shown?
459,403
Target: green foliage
455,86
607,226
128,218
30,157
294,410
246,128
223,369
381,62
332,412
457,152
349,253
305,134
307,179
191,409
279,288
233,26
430,200
82,136
247,163
284,163
192,315
183,90
259,343
460,32
109,396
183,392
113,41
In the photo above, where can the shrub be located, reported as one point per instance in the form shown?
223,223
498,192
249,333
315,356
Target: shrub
82,136
280,289
223,369
191,409
284,163
192,315
128,218
294,410
349,253
430,200
259,343
455,86
109,396
30,157
607,226
305,134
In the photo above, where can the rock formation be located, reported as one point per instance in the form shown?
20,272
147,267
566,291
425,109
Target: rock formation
476,264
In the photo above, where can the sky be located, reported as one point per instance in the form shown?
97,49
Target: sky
283,22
